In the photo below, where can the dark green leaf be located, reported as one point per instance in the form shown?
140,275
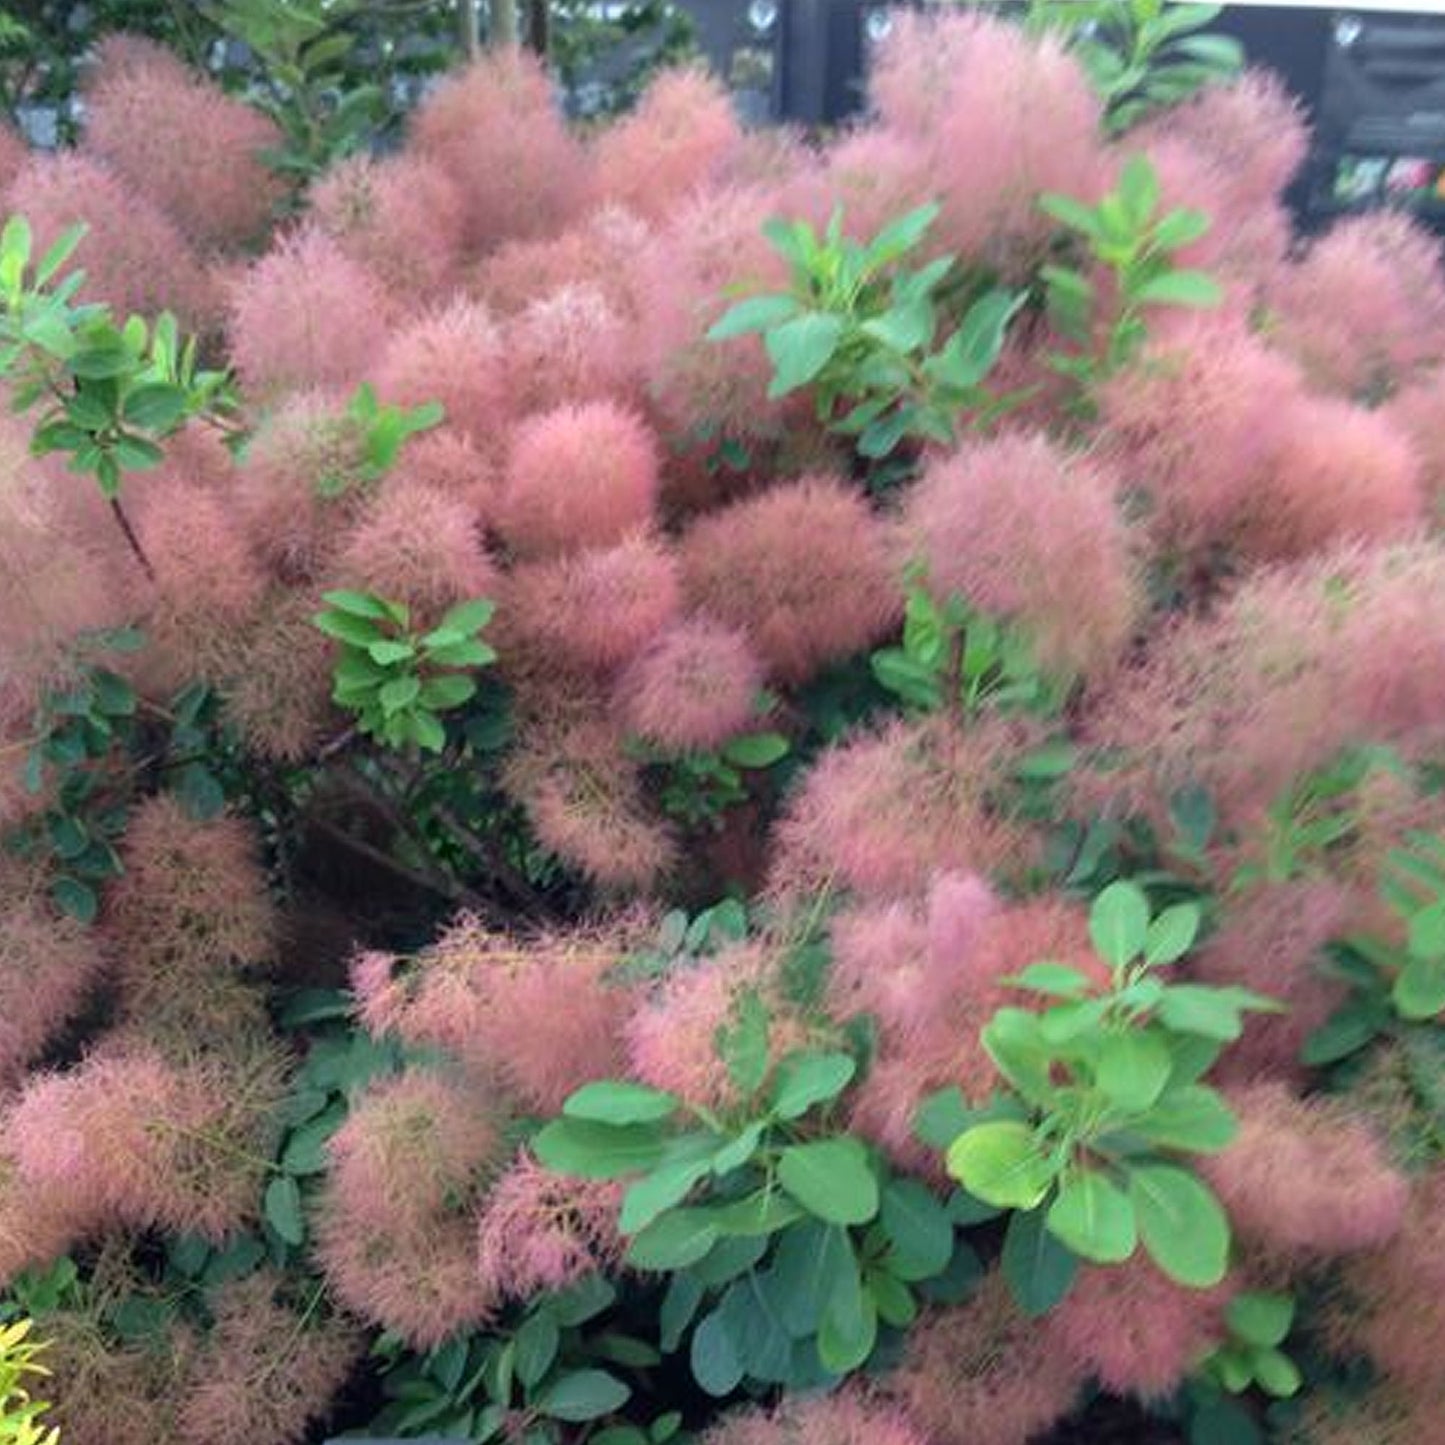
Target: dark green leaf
674,1240
583,1395
537,1341
283,1209
716,1363
1038,1268
918,1229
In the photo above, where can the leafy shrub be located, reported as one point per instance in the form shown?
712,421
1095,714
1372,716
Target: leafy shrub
529,859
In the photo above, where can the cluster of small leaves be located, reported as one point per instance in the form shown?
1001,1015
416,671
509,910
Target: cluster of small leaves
1394,987
1318,814
1258,1325
20,1422
698,787
303,74
82,734
1141,55
1123,234
792,1248
684,938
862,330
528,1382
110,394
1106,1100
380,430
397,681
957,658
341,1062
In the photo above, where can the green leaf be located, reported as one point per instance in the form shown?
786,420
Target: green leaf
583,1395
849,1327
282,1208
1133,1067
1038,1267
1182,1224
1172,934
904,327
942,1117
1119,923
468,618
358,604
974,348
1198,1009
739,1149
809,1258
1278,1375
1000,1163
442,694
716,1363
136,454
1419,991
597,1151
1074,214
669,1183
537,1340
684,1295
800,349
1180,228
1094,1218
674,1241
1181,288
764,1212
902,235
398,694
743,1043
468,653
1348,1031
200,792
757,750
1139,190
346,628
757,313
156,407
918,1228
1222,1421
75,899
1260,1319
805,1080
615,1101
1057,979
1193,1118
389,651
832,1179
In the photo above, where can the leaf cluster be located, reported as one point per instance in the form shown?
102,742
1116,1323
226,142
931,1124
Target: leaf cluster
20,1413
1123,234
397,681
698,787
1105,1098
890,352
380,430
791,1247
110,394
1141,55
956,657
553,1368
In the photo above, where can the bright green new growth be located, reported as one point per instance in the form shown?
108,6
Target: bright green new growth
1142,55
1106,1098
383,430
19,1414
1123,234
863,331
397,681
788,1241
1258,1325
955,657
109,394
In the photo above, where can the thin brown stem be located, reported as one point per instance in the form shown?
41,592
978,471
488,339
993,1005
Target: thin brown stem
123,522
